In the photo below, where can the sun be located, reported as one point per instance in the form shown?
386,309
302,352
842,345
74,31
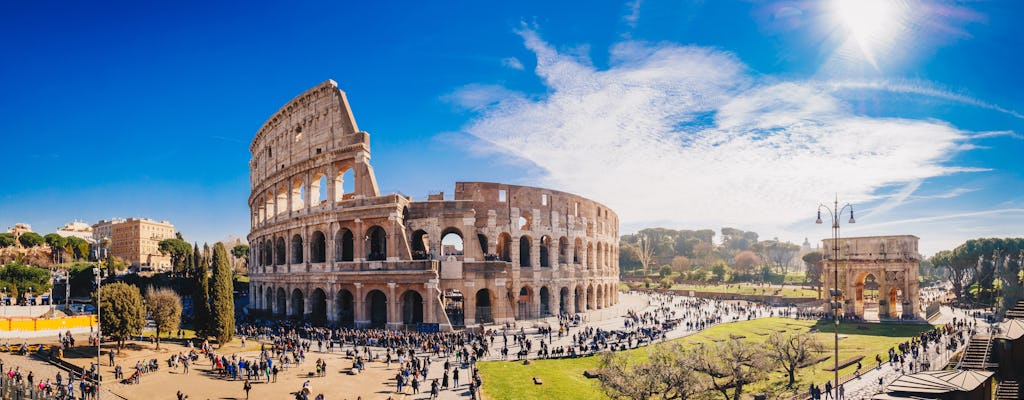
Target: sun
872,24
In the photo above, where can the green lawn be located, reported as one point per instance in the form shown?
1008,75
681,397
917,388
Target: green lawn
743,288
563,379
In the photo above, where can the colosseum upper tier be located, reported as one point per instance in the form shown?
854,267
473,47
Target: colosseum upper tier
329,248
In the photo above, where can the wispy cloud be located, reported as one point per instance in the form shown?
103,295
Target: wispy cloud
512,62
701,139
919,89
634,13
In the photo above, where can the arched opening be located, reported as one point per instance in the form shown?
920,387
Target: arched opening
318,189
451,243
282,299
505,247
524,251
343,245
525,308
525,222
298,195
420,245
281,202
599,301
600,256
377,244
545,301
590,297
563,300
296,249
865,296
581,300
545,243
318,248
268,252
895,303
483,245
377,308
344,185
563,250
577,250
346,309
279,251
298,304
318,316
412,307
484,313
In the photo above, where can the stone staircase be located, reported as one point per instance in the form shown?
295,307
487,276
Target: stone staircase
1017,311
1008,390
976,355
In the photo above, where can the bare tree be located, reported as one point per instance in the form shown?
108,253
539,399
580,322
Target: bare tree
668,375
792,350
731,365
646,253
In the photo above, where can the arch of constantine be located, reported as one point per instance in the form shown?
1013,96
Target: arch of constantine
877,274
328,247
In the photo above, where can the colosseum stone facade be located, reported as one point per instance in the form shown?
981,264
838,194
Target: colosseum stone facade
329,248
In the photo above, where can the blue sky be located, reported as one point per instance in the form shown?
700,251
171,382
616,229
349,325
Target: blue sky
684,114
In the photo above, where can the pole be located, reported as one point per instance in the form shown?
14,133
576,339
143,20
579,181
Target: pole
99,331
835,298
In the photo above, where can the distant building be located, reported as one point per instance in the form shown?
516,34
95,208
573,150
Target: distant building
77,229
18,229
136,240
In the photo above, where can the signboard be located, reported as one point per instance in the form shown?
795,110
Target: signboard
424,327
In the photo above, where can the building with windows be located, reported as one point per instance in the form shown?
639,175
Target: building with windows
328,247
136,240
77,229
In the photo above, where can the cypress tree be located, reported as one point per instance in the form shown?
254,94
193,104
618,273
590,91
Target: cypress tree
222,300
200,297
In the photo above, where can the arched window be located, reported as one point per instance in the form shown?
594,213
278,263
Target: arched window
377,244
451,243
505,247
318,248
420,245
343,245
524,251
279,252
545,243
296,249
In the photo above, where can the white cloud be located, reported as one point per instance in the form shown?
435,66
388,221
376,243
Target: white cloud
688,136
512,62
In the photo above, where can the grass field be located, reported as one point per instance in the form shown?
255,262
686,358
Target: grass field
744,288
563,379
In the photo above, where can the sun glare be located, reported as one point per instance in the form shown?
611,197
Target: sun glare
871,24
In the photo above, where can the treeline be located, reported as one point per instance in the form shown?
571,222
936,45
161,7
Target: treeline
43,250
693,255
986,271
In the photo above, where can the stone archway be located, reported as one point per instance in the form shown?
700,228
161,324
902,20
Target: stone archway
319,307
890,262
377,308
412,307
346,309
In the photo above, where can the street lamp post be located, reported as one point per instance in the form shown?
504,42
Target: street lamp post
837,294
99,331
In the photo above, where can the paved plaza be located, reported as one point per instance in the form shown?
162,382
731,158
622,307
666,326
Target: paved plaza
377,381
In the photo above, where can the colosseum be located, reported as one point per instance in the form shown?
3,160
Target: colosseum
329,248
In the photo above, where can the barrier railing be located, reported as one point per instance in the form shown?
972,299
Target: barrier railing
28,324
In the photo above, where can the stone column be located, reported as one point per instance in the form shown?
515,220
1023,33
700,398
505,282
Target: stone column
359,307
332,312
394,307
308,188
359,241
307,303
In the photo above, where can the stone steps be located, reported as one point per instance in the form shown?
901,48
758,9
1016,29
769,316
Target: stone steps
1008,390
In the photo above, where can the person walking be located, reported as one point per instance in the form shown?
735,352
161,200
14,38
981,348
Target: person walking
828,390
247,387
842,392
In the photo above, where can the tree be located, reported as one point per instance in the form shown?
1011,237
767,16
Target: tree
241,252
629,256
665,271
719,270
958,270
30,239
78,247
222,299
745,261
815,262
791,350
645,251
178,250
121,311
681,264
114,264
57,244
667,374
200,296
7,240
18,275
165,307
777,255
731,365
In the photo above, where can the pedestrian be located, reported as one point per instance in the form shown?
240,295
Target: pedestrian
247,387
110,357
842,392
828,390
881,381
